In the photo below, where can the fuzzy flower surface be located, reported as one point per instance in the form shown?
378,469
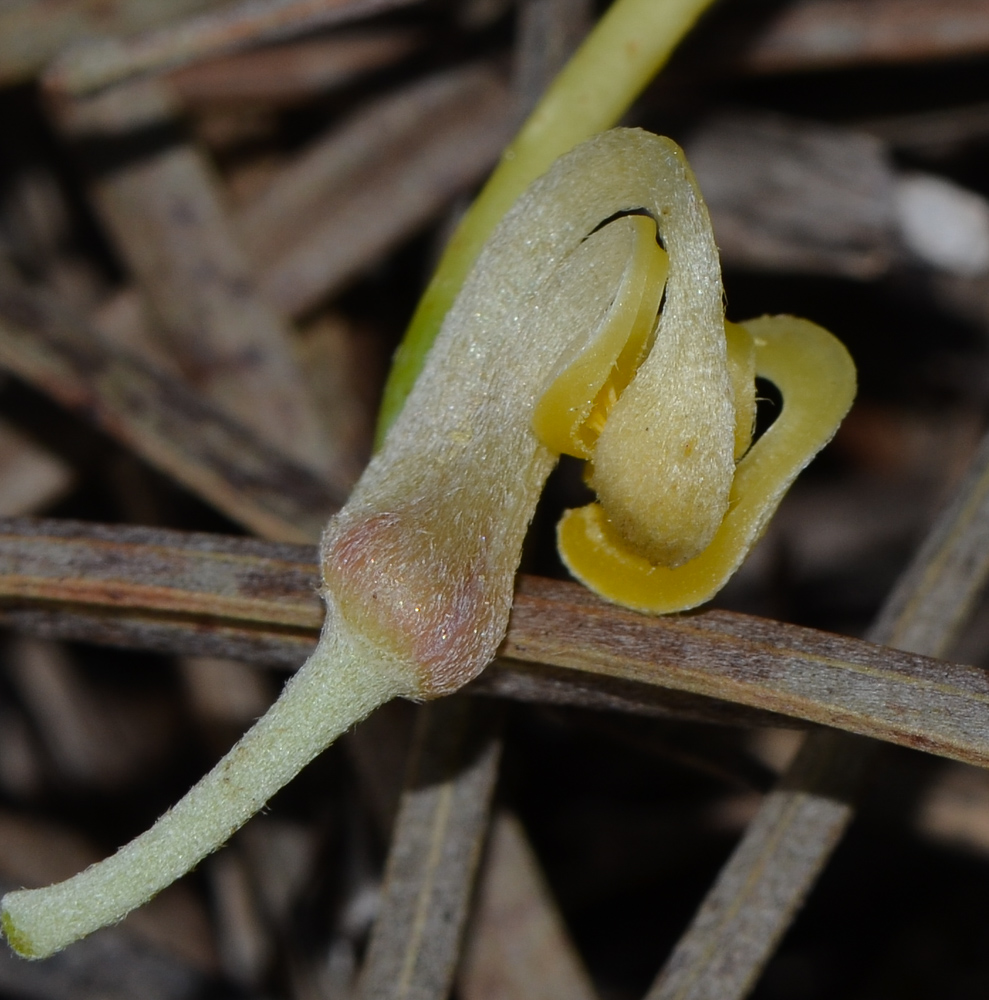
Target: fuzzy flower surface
556,343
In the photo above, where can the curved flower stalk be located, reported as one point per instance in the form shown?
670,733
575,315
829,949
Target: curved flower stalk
553,344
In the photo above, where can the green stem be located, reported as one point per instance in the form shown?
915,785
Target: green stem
626,49
336,688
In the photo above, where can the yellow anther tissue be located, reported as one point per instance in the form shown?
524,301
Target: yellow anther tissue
592,324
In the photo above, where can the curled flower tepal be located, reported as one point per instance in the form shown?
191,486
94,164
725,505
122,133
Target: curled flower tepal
816,379
441,511
552,345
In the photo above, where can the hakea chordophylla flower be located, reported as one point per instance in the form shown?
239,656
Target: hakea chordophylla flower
552,346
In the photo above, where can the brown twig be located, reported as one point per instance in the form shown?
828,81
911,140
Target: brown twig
178,592
285,74
159,417
60,567
32,33
159,200
796,196
372,182
818,34
517,943
764,883
234,27
436,848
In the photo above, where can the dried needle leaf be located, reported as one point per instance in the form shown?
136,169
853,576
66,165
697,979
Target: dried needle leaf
32,33
435,851
163,209
159,417
180,587
291,72
90,67
819,34
762,886
371,182
518,946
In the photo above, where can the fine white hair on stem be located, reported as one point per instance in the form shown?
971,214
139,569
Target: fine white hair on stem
336,688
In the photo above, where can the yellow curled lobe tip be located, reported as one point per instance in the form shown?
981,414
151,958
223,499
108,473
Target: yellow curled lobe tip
816,378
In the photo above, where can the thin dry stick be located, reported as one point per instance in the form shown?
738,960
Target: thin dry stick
187,593
814,34
235,27
919,130
33,33
436,848
157,196
159,417
372,182
285,74
827,207
897,697
902,698
764,883
31,477
517,944
542,684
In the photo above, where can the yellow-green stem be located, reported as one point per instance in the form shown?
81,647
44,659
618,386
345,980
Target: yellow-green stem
339,685
626,49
